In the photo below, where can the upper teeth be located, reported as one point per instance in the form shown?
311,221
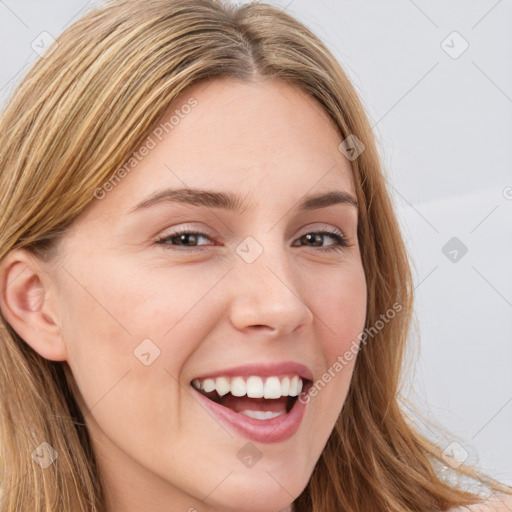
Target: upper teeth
253,386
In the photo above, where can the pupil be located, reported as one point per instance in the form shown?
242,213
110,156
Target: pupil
190,237
316,238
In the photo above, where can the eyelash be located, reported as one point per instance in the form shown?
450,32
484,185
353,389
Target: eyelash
341,240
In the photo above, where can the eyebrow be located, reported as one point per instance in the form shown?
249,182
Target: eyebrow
235,203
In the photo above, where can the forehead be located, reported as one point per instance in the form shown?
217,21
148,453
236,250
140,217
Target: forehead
267,141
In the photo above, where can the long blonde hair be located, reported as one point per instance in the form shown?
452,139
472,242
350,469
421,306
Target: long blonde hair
76,117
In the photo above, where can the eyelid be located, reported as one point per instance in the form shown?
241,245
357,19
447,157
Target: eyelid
320,226
329,228
186,228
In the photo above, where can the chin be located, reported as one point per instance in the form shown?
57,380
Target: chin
264,491
265,499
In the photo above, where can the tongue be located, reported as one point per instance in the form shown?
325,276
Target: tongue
243,403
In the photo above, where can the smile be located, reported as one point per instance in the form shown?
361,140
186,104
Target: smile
278,394
262,407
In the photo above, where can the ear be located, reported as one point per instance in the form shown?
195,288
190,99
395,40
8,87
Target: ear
26,303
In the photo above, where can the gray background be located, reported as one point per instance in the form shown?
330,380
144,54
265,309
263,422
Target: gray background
444,128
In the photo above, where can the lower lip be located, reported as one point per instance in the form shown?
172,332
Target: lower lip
273,430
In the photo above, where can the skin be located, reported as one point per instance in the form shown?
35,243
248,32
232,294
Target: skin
112,286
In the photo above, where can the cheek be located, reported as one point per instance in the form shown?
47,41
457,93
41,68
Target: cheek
339,306
117,321
338,301
125,368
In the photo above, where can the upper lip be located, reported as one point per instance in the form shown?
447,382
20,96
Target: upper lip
267,369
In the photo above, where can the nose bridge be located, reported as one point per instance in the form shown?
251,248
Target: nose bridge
266,291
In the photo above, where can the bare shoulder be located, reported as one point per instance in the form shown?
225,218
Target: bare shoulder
499,503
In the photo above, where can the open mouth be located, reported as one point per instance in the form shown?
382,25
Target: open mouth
256,397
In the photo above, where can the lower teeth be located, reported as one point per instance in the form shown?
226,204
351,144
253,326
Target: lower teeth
262,415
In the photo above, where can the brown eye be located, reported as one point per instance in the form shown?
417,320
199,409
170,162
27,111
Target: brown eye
317,238
183,239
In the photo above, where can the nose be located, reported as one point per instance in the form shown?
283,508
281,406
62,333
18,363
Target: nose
266,296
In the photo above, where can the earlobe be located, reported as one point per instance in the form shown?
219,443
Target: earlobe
26,304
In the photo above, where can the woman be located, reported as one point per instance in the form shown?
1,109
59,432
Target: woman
206,295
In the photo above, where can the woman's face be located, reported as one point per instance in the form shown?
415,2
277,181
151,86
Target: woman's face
156,289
